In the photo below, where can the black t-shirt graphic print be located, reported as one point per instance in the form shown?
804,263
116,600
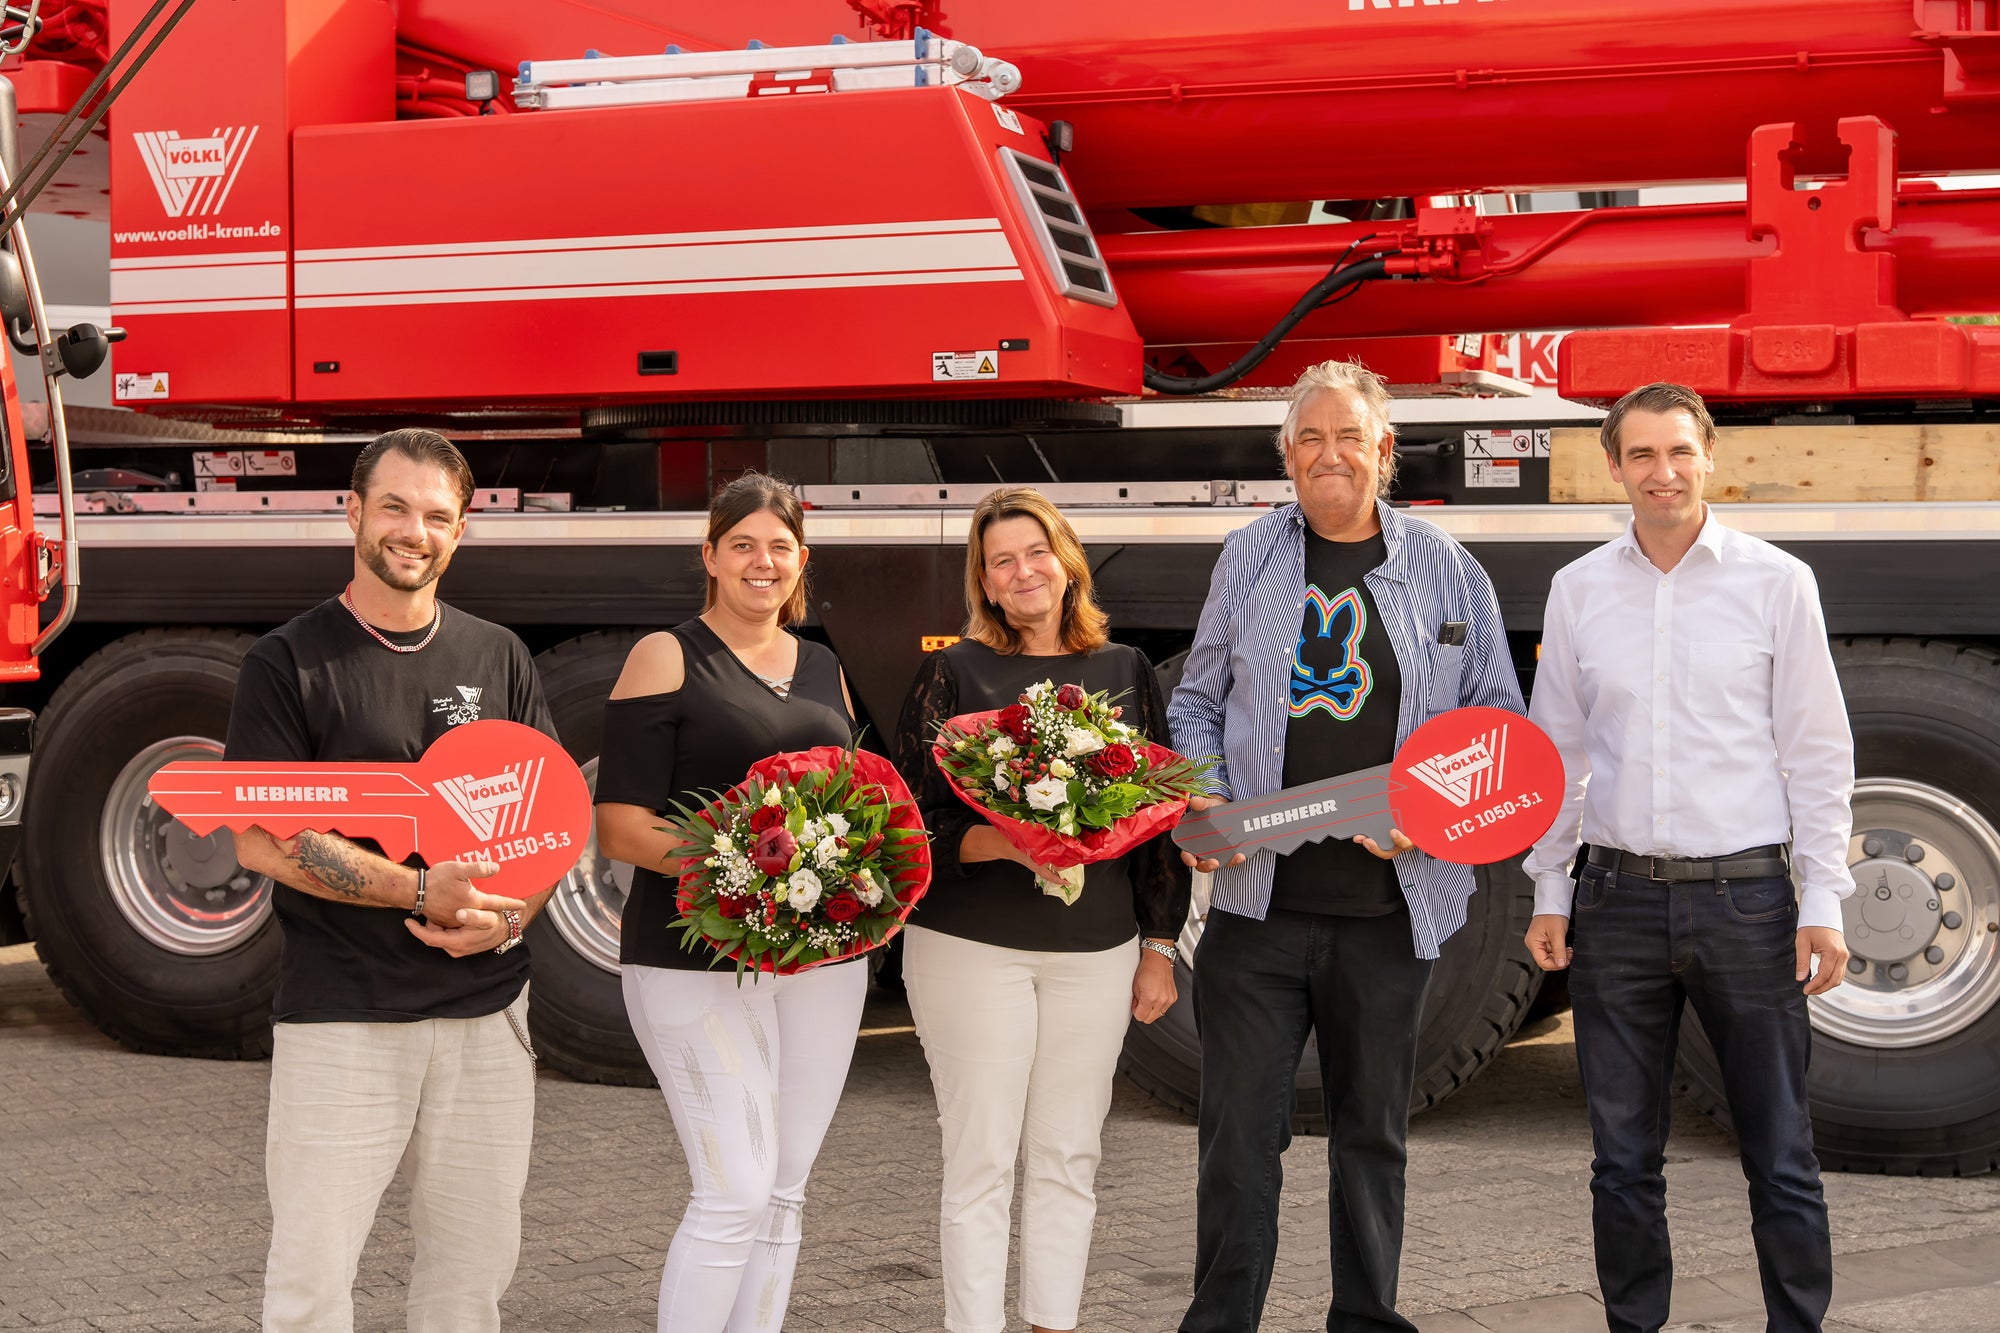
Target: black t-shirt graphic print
1342,699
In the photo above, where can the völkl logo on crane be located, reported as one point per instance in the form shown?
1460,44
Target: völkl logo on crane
194,176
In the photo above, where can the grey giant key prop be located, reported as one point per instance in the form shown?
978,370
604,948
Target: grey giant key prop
1283,821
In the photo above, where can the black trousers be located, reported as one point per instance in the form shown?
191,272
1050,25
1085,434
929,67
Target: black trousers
1644,950
1260,987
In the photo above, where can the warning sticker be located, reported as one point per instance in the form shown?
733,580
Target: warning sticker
270,463
1506,444
126,387
1482,472
966,365
1008,120
218,463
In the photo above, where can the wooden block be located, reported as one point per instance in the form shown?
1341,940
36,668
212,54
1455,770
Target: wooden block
1817,464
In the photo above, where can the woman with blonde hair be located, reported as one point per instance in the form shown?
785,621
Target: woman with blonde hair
752,1072
1021,1001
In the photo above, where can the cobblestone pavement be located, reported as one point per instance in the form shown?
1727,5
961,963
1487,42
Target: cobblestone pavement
134,1198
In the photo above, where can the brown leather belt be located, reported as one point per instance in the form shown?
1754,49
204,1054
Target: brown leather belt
1750,863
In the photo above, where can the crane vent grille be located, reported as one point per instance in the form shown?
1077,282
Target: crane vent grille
1068,248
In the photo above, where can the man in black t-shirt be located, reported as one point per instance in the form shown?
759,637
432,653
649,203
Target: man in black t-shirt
401,1017
1334,628
1341,715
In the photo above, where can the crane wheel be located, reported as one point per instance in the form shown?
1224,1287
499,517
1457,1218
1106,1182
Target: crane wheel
578,1015
1903,1079
159,937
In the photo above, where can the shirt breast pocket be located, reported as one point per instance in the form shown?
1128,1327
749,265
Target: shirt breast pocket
1731,680
1447,668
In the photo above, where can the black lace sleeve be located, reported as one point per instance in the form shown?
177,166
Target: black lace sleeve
1161,884
933,701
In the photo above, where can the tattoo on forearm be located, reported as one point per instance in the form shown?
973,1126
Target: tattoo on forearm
330,864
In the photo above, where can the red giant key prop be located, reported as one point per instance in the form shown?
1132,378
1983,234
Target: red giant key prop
1474,785
487,791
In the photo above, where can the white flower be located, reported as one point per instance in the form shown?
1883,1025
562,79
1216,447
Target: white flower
838,825
1000,782
710,863
1048,794
802,890
722,845
1000,747
872,894
1059,769
811,832
827,855
773,796
1081,741
1038,690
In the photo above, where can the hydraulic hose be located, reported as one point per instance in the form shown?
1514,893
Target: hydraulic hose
1334,283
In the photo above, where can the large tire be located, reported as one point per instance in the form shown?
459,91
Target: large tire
1480,992
160,938
578,1009
1903,1078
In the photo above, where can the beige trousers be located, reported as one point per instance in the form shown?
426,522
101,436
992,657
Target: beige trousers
453,1100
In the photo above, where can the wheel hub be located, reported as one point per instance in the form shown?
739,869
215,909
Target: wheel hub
183,893
1894,913
1923,923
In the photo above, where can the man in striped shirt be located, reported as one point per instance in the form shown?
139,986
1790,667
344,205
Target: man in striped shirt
1334,628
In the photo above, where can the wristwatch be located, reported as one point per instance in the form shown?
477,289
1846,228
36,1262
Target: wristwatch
1164,950
513,932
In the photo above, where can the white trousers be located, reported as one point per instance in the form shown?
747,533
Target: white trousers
1022,1047
752,1074
453,1100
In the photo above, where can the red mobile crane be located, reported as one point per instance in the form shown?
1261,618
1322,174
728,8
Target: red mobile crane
621,250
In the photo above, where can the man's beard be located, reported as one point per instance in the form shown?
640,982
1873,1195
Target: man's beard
376,558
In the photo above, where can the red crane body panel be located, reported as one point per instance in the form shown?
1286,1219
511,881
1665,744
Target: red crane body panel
857,244
537,258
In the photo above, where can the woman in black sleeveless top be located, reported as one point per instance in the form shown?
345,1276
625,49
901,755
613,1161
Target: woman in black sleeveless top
694,708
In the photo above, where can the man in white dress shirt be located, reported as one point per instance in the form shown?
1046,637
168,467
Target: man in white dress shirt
1686,679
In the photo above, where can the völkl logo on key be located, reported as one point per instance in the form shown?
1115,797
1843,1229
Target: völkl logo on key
500,805
1464,776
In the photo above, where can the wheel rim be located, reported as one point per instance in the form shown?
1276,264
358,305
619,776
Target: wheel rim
185,894
590,901
1923,923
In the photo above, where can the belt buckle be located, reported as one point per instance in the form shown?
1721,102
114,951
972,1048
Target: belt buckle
1653,870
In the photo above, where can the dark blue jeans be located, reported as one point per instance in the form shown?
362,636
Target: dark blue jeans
1644,950
1260,987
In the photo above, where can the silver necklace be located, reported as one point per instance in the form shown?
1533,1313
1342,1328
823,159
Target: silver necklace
437,618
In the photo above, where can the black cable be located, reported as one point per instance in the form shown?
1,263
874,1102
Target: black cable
18,196
1338,280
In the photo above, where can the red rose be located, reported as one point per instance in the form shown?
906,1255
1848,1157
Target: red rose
842,906
774,851
1114,761
766,817
1014,720
872,846
1070,696
733,909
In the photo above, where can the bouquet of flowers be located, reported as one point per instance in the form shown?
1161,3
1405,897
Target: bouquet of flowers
815,856
1065,779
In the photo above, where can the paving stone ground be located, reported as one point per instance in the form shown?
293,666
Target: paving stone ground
132,1196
